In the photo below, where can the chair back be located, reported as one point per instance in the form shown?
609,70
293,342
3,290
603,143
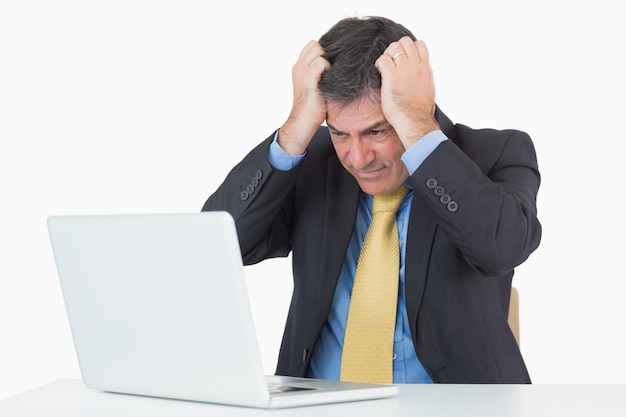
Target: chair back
514,314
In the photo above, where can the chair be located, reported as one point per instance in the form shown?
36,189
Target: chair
514,314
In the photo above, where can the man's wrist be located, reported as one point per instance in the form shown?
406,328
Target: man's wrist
279,158
420,130
415,155
294,137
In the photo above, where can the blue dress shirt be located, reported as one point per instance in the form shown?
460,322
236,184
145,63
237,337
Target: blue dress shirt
326,359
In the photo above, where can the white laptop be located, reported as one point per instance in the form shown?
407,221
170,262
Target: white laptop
157,305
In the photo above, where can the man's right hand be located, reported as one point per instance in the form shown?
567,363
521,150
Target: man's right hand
308,110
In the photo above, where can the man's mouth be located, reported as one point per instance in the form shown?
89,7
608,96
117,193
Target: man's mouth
369,174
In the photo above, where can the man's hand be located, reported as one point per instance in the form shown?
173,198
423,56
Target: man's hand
408,89
308,110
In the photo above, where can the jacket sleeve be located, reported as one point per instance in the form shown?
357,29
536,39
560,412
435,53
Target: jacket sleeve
259,198
482,188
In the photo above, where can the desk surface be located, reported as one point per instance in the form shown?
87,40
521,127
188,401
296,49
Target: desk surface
69,398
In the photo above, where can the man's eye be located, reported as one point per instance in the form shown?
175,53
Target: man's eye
378,133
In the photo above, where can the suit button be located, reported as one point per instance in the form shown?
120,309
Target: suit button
244,195
250,188
453,206
431,183
254,182
439,191
445,199
258,174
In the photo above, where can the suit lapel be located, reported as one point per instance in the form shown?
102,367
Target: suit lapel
342,197
420,236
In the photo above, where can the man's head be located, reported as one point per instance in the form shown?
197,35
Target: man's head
352,47
366,144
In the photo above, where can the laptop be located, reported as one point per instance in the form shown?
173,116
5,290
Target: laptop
158,306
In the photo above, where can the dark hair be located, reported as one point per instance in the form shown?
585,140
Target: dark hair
352,47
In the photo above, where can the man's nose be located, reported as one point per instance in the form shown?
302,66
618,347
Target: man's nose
360,154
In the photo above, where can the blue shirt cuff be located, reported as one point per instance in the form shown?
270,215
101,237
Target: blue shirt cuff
280,159
416,154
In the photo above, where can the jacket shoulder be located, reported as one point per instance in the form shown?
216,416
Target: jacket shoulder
487,146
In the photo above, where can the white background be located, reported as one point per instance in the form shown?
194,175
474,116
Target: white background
143,106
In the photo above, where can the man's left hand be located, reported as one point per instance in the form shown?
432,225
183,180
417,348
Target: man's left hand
408,89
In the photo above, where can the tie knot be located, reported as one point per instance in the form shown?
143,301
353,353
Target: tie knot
389,202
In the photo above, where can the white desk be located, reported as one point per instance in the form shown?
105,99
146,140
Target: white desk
69,398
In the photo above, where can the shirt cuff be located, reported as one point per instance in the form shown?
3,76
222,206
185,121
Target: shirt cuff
280,159
416,154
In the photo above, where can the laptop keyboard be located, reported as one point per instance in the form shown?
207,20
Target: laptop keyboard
281,389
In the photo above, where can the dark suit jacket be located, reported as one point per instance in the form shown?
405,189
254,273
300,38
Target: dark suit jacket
459,257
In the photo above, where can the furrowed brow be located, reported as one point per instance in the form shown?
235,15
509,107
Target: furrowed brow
375,126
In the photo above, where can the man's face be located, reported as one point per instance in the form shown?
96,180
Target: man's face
367,146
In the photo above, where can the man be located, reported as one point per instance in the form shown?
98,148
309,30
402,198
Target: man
468,219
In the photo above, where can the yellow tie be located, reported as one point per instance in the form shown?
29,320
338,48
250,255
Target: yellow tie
368,344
